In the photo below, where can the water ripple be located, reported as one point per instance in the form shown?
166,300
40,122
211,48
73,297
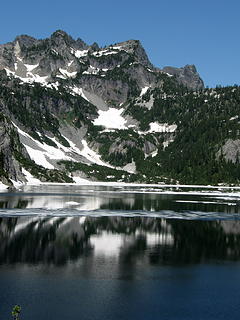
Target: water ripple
166,214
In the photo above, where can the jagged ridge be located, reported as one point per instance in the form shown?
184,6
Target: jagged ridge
109,114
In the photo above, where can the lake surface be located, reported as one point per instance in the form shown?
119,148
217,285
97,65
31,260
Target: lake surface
120,252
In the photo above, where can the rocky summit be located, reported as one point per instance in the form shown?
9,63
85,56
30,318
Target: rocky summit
72,111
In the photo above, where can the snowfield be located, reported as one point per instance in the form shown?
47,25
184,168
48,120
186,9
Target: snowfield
111,119
42,153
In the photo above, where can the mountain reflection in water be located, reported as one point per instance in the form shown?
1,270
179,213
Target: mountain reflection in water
99,252
61,241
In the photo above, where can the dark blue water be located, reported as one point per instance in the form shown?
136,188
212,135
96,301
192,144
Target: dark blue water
192,292
74,254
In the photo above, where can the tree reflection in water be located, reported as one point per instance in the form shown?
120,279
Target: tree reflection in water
62,240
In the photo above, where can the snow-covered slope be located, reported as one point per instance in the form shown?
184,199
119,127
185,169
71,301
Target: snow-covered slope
85,112
47,156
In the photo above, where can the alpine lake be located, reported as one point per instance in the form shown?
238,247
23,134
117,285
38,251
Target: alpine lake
111,252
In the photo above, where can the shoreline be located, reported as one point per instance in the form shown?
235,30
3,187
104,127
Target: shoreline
83,182
129,184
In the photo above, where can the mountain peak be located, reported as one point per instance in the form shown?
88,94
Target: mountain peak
60,33
62,57
25,40
95,46
61,37
190,67
135,47
186,75
129,45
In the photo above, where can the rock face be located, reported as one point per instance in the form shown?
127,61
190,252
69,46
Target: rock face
70,110
187,75
62,57
9,146
230,150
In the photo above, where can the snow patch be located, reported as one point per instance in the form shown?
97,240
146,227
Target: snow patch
9,72
104,53
146,104
68,74
91,155
79,180
33,78
162,127
52,85
86,152
30,79
166,144
154,153
144,90
79,53
3,187
130,167
117,47
30,179
43,152
93,70
111,119
55,51
79,91
17,184
31,67
233,118
39,157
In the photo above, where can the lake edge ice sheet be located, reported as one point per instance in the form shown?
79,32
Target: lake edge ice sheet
126,200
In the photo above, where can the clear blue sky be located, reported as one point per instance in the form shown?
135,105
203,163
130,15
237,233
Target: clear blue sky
173,32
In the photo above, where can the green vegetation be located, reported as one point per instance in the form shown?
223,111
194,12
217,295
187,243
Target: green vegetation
41,109
101,173
194,153
126,146
16,312
205,120
44,175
